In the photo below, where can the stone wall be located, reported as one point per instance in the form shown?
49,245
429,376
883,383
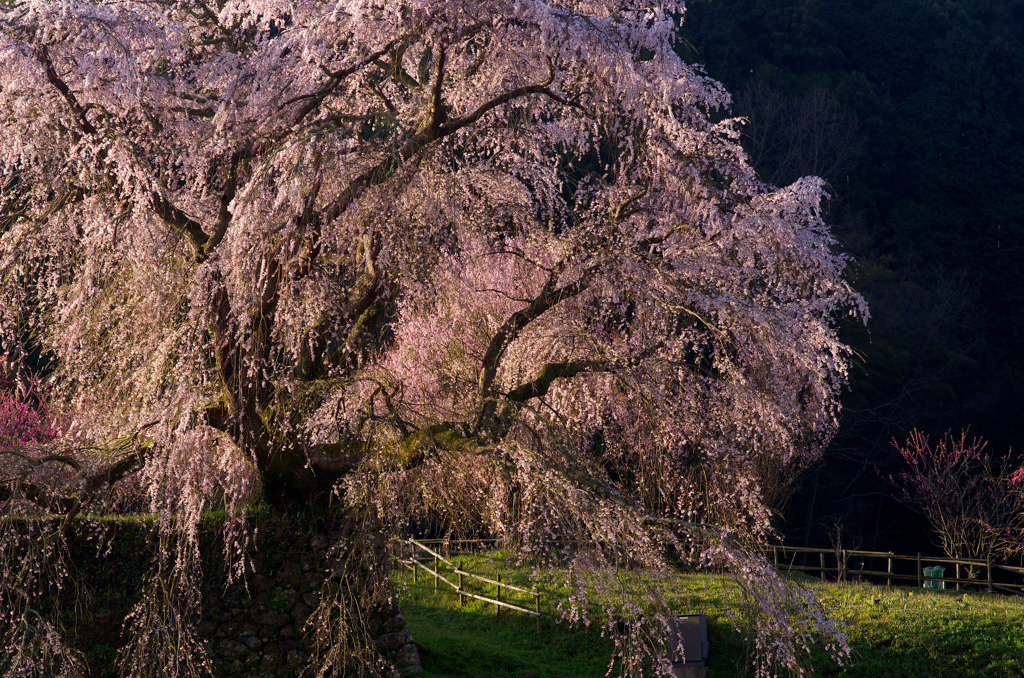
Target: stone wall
259,632
256,631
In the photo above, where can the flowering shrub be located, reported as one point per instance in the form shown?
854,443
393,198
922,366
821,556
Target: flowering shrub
23,420
974,503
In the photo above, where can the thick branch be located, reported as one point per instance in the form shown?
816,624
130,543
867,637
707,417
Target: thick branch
335,78
36,495
455,124
88,484
623,211
212,16
309,225
65,91
549,297
24,489
224,214
417,447
510,330
398,69
364,307
437,114
387,167
181,222
538,388
126,465
162,207
353,351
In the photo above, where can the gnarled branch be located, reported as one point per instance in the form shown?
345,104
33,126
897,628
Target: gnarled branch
549,297
455,124
162,207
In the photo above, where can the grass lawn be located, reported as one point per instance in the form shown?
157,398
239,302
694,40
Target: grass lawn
898,632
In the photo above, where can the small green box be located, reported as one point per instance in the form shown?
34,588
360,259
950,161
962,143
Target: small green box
935,571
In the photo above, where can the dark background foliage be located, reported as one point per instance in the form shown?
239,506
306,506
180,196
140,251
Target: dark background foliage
911,110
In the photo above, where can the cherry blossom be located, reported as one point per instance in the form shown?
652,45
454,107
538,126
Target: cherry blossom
496,267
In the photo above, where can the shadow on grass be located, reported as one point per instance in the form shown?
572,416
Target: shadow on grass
473,641
903,633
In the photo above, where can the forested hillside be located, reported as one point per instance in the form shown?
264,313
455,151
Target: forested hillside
911,109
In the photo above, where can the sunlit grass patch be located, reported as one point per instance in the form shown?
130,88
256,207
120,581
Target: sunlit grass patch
899,632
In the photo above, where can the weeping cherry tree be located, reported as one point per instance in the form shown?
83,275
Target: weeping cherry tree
498,267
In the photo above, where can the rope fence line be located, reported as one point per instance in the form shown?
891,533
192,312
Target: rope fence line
416,562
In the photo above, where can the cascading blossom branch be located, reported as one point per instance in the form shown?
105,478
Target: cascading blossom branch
497,267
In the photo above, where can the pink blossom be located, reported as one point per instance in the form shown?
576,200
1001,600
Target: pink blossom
353,249
972,500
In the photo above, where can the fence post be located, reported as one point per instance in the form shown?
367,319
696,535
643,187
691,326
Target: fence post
988,566
462,600
435,573
497,608
919,584
536,598
958,575
775,556
822,560
888,580
842,568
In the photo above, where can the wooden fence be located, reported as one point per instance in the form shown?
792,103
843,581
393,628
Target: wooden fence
838,564
843,565
422,556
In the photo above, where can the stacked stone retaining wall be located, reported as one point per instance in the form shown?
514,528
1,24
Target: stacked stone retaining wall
254,630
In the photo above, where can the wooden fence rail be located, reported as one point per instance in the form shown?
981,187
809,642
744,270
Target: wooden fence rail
837,562
416,562
825,562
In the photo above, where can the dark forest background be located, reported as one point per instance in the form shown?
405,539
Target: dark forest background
912,111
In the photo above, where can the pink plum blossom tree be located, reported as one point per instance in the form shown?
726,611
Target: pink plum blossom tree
490,264
24,420
973,502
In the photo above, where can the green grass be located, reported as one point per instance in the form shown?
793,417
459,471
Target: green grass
917,633
899,632
471,640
